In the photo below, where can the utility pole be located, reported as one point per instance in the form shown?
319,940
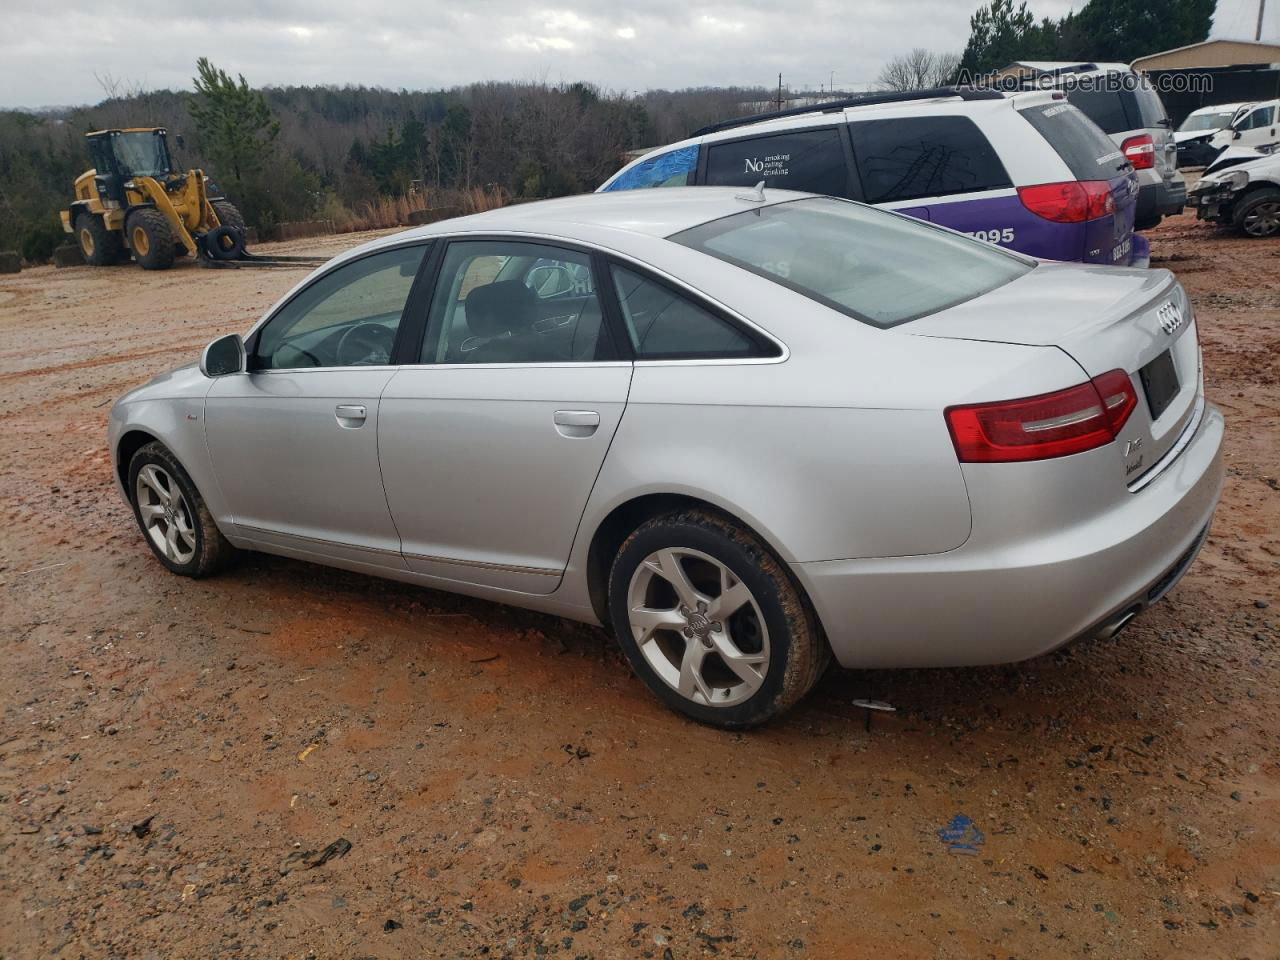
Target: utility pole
1262,6
779,91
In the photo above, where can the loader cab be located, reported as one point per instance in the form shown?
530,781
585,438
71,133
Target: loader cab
118,155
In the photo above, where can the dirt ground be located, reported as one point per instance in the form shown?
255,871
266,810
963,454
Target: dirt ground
177,755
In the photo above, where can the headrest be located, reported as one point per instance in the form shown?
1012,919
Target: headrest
496,308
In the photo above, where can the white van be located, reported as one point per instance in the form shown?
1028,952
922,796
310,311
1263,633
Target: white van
1257,127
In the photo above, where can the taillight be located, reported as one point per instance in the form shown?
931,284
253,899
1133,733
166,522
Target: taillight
1074,201
1051,425
1140,151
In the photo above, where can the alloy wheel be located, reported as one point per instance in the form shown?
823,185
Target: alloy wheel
166,516
698,626
1263,220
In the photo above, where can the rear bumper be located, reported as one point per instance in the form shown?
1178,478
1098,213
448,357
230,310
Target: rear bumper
999,602
1161,198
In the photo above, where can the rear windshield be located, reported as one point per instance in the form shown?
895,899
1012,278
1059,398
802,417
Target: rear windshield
1087,152
1105,107
872,265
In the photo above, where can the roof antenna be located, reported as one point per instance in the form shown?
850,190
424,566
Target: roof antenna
755,196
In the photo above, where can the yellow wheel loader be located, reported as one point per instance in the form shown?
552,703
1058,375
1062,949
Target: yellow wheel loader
133,201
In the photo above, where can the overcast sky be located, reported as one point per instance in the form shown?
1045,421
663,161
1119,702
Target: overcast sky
51,52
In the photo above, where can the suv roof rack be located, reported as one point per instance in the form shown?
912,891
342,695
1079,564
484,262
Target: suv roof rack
964,93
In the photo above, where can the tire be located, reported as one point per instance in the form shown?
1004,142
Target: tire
224,243
228,214
150,238
1257,213
99,246
196,547
771,628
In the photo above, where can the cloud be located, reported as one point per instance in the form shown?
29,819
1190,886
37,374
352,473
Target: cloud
50,55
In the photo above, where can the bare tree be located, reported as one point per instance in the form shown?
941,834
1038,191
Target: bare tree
918,70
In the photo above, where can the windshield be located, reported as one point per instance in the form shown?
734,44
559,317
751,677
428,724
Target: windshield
1206,121
872,265
141,154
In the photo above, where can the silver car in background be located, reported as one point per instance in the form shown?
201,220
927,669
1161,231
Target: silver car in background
746,432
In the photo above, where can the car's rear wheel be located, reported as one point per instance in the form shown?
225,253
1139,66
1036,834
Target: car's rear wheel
172,515
1258,213
712,622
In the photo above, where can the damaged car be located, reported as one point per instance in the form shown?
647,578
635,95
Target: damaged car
1244,195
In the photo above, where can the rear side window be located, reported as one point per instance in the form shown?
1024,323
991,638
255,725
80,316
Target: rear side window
663,324
1087,152
913,157
1105,107
811,160
671,169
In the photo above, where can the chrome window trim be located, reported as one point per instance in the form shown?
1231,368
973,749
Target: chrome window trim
784,350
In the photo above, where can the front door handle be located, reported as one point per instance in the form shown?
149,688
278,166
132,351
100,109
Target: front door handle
350,414
576,424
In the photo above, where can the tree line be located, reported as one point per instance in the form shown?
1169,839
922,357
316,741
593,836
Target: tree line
291,153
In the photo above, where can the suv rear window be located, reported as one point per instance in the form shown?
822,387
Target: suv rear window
911,157
1087,153
811,160
1105,107
878,267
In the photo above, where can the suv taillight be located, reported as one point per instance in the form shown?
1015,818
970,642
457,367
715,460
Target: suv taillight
1038,428
1140,151
1074,201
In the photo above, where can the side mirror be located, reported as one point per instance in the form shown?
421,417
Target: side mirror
223,357
1238,135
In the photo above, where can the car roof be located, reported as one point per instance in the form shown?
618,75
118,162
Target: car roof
767,124
653,213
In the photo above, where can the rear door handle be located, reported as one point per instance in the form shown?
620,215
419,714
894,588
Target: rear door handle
350,414
576,424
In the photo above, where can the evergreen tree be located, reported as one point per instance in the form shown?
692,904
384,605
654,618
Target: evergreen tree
237,128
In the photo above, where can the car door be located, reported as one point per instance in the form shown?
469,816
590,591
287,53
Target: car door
294,441
1257,127
490,444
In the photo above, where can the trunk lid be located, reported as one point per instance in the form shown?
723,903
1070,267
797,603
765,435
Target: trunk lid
1105,318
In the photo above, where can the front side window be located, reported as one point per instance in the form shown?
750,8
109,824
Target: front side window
1262,117
908,158
874,266
671,169
809,160
347,318
664,324
500,301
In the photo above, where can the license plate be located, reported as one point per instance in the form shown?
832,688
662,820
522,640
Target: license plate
1160,383
1121,250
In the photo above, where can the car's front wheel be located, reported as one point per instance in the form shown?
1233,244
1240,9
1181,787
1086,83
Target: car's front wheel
173,516
712,622
1258,213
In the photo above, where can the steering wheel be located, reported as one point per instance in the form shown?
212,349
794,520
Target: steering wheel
364,344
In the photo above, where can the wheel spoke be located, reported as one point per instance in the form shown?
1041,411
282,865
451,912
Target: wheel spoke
185,532
733,595
645,621
150,511
668,567
171,542
691,682
748,667
153,479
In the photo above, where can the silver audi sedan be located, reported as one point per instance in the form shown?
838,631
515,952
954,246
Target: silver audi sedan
746,432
